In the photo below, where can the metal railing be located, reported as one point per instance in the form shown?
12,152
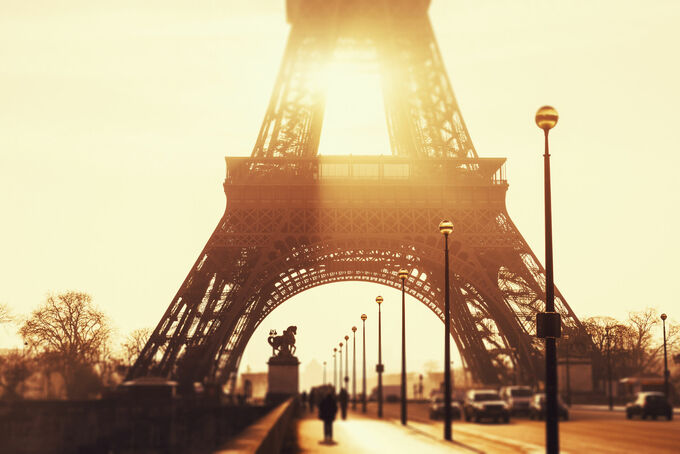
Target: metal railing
367,169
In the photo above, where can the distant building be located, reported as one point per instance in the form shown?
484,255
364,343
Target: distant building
580,374
627,387
253,385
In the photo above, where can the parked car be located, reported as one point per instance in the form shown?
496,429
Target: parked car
147,388
518,398
649,403
437,408
485,404
537,407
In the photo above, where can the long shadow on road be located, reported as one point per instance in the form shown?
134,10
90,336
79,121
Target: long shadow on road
364,434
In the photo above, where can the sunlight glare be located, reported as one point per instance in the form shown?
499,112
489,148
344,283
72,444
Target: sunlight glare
354,120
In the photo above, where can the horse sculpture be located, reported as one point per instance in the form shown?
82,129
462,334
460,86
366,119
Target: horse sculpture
285,343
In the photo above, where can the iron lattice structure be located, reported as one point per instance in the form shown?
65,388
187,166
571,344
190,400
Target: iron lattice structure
295,220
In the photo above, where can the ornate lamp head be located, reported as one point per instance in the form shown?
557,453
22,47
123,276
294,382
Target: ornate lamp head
446,227
546,118
379,299
363,317
663,317
340,345
403,274
354,329
346,338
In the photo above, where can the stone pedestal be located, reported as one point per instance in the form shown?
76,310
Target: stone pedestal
282,379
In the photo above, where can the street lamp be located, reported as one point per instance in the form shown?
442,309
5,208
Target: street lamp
609,367
665,358
363,373
346,364
324,373
446,228
335,371
340,366
549,321
403,274
379,368
354,368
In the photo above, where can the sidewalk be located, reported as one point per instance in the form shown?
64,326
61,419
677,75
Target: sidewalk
359,434
365,434
617,408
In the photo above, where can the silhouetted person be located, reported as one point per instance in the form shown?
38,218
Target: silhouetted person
311,399
343,396
327,410
303,400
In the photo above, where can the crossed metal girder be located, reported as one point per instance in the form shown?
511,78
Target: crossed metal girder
394,38
257,258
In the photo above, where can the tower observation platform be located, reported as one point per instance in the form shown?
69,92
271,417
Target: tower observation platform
365,180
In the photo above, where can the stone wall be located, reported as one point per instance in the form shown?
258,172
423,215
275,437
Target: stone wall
120,427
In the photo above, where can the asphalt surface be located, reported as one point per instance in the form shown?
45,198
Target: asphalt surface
587,431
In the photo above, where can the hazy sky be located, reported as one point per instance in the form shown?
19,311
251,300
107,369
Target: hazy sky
115,117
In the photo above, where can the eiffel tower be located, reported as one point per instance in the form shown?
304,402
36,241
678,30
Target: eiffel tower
295,219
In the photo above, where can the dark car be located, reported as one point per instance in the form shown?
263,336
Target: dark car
649,403
485,404
537,407
437,408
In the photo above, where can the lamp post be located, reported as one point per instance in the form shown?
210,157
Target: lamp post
335,372
324,373
609,368
379,368
403,274
363,372
566,351
546,119
347,364
354,368
665,358
340,366
446,228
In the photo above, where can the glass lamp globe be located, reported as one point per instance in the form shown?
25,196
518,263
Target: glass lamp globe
546,117
446,227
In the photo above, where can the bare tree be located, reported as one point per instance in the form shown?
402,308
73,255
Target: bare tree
643,352
5,314
72,333
597,328
635,345
134,344
15,368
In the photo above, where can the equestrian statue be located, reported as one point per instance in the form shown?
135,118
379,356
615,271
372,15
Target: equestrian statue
283,344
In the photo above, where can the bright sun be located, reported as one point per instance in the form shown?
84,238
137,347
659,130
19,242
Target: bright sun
354,121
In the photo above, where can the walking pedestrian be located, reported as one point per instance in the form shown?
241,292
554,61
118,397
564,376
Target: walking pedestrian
327,411
303,400
312,399
344,399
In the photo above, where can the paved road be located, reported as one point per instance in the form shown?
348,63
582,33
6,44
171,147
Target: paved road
587,431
